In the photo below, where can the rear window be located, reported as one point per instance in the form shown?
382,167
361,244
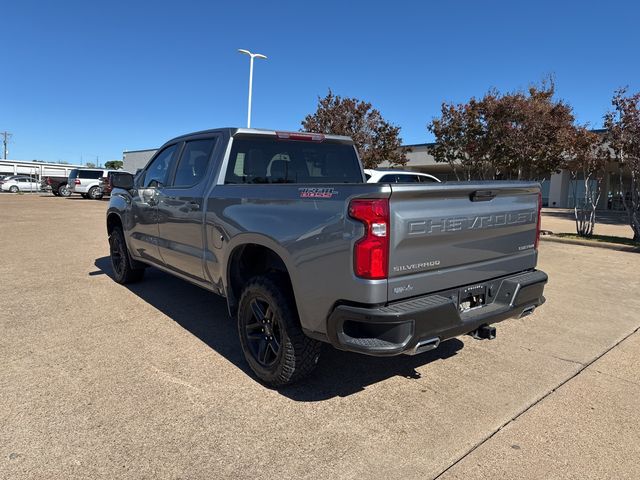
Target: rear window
91,174
269,160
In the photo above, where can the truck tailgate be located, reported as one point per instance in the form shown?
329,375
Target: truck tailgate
459,234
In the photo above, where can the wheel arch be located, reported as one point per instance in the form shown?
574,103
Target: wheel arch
248,260
113,221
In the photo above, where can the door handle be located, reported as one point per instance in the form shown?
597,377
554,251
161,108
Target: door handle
194,206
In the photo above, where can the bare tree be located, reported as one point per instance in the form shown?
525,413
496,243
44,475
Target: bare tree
587,161
623,135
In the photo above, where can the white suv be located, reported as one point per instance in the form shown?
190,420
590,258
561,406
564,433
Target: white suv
398,176
86,181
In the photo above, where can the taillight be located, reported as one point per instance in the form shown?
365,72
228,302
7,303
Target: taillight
538,226
371,252
76,181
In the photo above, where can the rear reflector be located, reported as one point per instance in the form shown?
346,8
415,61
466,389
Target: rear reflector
305,137
371,252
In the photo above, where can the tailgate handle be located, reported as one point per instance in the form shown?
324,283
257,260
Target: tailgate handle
482,195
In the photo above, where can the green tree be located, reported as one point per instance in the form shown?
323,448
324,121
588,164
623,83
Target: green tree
113,164
376,139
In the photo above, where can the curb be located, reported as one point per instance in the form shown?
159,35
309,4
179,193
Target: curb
590,243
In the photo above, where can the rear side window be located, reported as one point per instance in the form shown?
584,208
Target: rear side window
270,160
193,162
389,179
426,179
408,179
73,174
158,170
90,174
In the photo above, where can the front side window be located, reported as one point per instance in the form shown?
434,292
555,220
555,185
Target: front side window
158,170
193,163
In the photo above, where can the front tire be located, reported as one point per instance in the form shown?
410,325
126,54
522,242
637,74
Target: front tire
272,341
123,270
14,189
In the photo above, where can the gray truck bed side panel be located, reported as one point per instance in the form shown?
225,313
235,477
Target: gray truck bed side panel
314,238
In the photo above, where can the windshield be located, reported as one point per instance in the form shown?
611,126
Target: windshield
270,160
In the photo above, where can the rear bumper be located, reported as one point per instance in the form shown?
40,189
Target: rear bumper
420,324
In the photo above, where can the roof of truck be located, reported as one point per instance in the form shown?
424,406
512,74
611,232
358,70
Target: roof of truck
232,131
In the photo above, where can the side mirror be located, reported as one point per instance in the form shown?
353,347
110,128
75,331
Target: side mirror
122,180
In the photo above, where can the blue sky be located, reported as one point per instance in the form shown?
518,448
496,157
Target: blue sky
90,79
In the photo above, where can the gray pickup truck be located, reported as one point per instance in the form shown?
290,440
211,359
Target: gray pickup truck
306,252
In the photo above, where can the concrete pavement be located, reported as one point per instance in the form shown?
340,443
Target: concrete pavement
104,381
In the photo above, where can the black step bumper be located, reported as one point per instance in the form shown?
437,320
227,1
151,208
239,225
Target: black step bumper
421,323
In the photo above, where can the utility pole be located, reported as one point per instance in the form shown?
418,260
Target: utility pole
6,136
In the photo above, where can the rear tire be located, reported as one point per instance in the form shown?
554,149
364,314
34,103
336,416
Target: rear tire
95,193
63,190
272,340
123,270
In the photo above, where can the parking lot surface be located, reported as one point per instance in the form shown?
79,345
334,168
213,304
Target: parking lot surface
100,380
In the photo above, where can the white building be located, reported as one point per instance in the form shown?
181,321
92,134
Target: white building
133,160
35,169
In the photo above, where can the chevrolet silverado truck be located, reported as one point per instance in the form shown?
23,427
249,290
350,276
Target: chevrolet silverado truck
306,252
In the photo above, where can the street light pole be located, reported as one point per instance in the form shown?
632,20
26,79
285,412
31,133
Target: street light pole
251,57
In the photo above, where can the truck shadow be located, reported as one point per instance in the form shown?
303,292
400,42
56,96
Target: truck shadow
339,374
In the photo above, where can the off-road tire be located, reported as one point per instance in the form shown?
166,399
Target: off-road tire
124,270
63,190
297,354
